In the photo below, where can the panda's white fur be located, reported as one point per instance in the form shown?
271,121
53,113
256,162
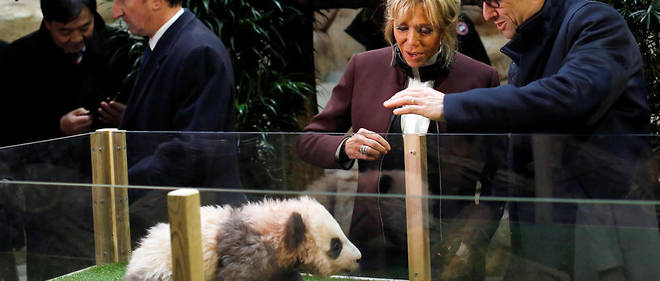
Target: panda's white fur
254,242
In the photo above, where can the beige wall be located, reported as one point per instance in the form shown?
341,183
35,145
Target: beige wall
18,18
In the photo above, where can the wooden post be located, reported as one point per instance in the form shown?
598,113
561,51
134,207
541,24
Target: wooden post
110,206
121,197
185,235
417,209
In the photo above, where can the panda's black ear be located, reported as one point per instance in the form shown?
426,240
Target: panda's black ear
295,231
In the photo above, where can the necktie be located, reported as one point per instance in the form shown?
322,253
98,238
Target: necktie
143,63
145,57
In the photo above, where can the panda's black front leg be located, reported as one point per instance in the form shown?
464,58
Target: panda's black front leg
291,275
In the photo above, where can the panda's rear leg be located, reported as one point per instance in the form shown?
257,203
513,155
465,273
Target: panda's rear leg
242,255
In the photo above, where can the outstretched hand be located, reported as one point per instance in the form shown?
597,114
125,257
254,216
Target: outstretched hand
426,102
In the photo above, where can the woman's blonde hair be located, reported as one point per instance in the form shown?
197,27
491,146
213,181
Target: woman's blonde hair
443,15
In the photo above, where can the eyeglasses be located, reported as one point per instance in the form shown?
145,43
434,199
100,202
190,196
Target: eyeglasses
492,3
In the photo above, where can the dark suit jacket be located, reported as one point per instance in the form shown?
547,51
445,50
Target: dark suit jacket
187,84
370,79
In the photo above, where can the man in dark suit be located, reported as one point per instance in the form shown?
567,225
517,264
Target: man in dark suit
57,76
576,70
185,83
60,73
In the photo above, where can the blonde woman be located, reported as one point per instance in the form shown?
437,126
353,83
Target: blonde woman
422,34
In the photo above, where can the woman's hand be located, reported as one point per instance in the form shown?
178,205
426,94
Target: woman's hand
374,145
426,102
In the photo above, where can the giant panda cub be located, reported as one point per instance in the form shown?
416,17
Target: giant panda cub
258,241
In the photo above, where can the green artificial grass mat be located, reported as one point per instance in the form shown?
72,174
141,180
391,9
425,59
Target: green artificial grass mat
115,272
307,278
106,272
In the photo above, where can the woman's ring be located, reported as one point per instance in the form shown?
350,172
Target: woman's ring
412,100
363,149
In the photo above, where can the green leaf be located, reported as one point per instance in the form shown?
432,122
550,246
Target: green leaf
206,6
278,5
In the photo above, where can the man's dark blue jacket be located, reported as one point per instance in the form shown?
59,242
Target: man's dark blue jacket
576,73
576,69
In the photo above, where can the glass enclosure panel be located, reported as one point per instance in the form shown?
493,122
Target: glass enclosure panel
57,160
492,207
45,201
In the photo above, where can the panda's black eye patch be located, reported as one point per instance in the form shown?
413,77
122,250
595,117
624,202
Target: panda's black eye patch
335,248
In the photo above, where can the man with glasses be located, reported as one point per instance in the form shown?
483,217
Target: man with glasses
576,71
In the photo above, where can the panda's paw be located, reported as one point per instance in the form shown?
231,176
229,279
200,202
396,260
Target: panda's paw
138,276
293,275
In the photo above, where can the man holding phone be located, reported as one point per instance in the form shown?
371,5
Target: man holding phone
61,75
60,80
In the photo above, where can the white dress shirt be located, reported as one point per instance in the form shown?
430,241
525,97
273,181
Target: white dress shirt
154,39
